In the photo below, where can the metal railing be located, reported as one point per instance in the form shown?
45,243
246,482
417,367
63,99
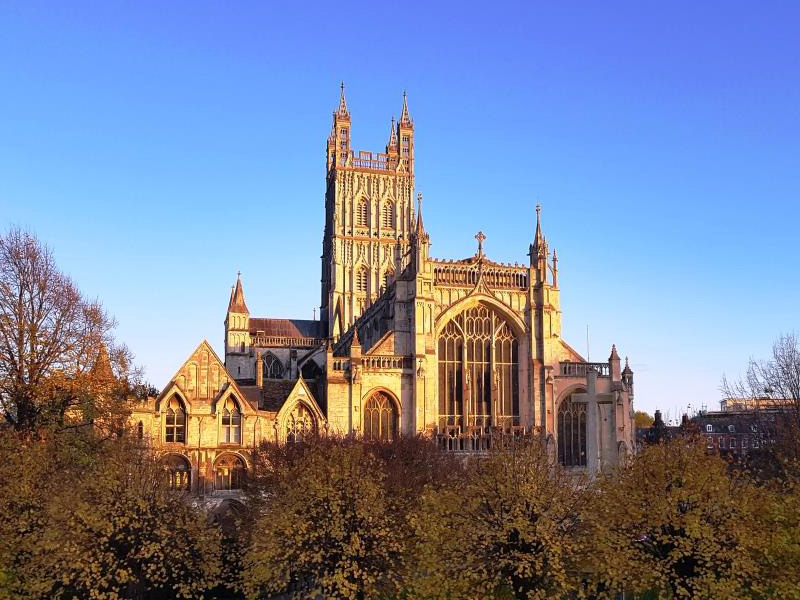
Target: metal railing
281,341
580,369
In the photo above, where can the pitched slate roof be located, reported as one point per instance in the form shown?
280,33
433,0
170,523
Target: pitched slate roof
275,393
292,328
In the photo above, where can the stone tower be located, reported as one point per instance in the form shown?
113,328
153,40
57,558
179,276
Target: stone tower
237,334
369,216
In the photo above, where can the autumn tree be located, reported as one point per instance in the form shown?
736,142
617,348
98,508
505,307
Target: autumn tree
676,522
58,360
82,517
772,387
326,528
507,529
642,420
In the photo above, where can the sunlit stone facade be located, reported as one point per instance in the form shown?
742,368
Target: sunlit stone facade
468,352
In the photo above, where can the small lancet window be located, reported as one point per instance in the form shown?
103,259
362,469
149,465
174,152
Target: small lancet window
175,428
361,280
387,215
140,430
231,422
362,213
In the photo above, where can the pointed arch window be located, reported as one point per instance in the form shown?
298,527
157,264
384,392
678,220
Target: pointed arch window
231,422
478,356
299,424
572,433
140,430
175,427
229,472
178,472
380,418
361,280
387,215
362,213
273,368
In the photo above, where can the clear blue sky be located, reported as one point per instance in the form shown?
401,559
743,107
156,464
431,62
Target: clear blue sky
159,147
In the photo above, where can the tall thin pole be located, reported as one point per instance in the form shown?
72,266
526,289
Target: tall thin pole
588,357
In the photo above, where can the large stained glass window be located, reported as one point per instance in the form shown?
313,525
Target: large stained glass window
478,371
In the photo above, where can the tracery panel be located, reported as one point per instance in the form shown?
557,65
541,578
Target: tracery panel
571,433
478,372
380,417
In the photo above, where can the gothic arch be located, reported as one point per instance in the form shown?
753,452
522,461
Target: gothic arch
273,366
178,471
298,423
463,304
175,419
478,356
380,414
571,429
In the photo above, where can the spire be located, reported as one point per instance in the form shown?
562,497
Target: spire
392,145
237,303
538,242
420,228
405,120
614,355
627,369
342,112
356,341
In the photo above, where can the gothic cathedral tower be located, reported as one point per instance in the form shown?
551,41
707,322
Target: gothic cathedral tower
369,217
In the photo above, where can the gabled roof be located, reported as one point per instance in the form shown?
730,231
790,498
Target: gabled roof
292,328
275,392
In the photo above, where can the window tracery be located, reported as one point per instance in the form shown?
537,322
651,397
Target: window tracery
571,433
362,213
231,422
361,280
299,424
478,371
273,367
175,426
178,472
229,471
380,418
387,215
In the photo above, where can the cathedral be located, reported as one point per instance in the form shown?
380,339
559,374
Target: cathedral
467,352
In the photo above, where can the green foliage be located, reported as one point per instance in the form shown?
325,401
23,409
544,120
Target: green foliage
642,420
83,519
327,528
506,529
677,521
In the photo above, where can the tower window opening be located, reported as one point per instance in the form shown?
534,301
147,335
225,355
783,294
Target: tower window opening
361,280
387,215
362,213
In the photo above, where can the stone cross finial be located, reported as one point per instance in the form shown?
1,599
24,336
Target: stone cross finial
480,237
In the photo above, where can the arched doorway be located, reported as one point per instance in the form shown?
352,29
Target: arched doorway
478,357
380,417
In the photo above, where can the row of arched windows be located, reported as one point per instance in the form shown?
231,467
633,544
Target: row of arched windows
363,214
175,422
229,472
362,279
